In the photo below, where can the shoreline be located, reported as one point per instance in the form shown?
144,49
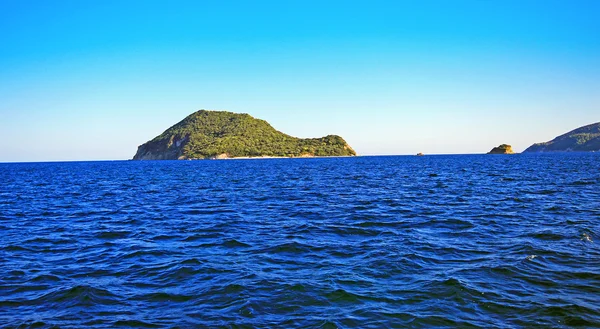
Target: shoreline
275,157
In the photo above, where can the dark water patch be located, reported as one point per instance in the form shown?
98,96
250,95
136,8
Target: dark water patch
571,315
164,297
543,192
209,236
142,254
47,241
29,287
583,182
233,288
108,235
548,235
163,237
177,273
555,209
289,248
192,261
15,273
233,243
17,248
75,296
135,324
35,324
342,296
377,224
354,231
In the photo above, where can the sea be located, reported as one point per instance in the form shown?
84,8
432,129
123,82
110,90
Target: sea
440,241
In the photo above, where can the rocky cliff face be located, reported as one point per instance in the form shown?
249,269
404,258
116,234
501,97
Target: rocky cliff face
502,149
583,139
159,150
218,134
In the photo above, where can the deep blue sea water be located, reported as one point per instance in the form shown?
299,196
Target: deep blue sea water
365,242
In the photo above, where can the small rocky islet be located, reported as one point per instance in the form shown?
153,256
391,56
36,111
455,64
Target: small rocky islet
221,135
502,149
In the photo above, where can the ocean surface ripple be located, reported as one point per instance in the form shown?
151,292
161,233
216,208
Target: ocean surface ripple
469,241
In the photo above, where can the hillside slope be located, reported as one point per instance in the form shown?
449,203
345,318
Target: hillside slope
583,139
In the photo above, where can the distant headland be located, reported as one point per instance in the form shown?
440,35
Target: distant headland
582,139
221,135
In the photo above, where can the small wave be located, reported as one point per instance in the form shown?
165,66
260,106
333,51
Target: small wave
46,277
588,276
39,240
174,274
79,295
13,247
355,231
363,207
452,287
297,287
142,253
233,243
192,261
377,224
233,288
341,295
30,324
572,315
164,297
163,237
204,236
288,248
453,223
16,273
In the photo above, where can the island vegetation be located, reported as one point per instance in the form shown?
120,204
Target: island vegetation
219,134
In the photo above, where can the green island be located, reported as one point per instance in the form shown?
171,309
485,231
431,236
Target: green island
582,139
220,135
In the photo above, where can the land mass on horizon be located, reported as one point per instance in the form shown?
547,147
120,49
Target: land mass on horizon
582,139
502,149
220,135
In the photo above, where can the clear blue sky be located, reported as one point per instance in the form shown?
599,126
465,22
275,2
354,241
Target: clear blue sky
84,80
